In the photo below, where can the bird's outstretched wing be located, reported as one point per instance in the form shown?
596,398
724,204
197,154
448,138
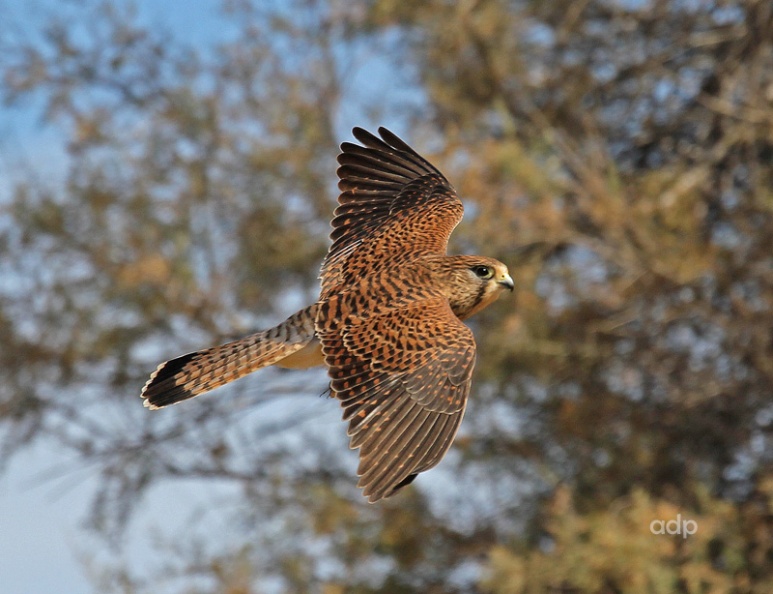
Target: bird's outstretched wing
402,376
393,204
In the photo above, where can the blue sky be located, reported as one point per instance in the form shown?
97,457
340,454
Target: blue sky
39,529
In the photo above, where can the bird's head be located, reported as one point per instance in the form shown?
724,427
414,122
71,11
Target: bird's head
470,282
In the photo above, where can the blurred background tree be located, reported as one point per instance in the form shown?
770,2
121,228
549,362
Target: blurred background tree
617,155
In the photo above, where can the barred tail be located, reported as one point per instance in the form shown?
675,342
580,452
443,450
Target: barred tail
196,373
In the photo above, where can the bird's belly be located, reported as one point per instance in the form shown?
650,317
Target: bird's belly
308,356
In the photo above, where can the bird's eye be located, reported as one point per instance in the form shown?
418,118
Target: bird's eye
484,272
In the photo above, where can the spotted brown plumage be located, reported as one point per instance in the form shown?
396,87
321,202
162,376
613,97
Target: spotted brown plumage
388,322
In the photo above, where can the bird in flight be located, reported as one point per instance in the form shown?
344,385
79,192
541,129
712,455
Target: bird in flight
388,321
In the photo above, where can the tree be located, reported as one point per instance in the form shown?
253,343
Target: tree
616,155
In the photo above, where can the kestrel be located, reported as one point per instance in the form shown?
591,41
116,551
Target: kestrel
388,321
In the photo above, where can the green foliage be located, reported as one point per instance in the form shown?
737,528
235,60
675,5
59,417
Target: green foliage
616,155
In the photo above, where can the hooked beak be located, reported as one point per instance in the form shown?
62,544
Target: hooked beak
506,281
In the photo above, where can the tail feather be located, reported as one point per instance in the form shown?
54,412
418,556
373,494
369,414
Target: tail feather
201,371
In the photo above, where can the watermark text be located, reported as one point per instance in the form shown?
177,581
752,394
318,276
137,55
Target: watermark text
675,526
